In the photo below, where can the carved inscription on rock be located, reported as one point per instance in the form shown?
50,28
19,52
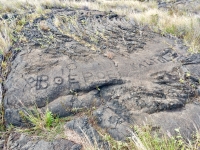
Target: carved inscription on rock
40,82
78,76
58,80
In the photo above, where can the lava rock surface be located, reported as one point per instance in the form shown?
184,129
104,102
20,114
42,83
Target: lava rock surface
81,60
17,141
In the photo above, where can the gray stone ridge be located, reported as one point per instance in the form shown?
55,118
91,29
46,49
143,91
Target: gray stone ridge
90,60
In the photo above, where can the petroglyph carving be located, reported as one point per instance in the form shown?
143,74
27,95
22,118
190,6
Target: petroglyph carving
71,66
58,80
40,82
87,76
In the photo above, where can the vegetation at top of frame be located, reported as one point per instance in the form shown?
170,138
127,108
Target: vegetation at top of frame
175,20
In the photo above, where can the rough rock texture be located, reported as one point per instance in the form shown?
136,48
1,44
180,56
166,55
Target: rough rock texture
83,128
18,141
82,60
2,141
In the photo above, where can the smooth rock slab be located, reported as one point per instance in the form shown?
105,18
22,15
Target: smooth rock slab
132,72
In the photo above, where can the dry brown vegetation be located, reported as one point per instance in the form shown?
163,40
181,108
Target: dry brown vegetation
176,20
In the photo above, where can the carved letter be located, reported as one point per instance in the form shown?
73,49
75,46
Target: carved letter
87,76
73,81
71,66
41,82
58,80
100,75
160,59
112,74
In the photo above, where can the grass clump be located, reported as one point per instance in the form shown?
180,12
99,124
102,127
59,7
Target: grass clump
149,138
37,119
5,37
116,145
154,141
145,138
43,124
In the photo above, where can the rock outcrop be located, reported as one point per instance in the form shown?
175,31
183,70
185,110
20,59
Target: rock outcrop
18,141
75,61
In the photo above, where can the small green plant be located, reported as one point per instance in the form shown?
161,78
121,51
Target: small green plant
1,52
39,120
3,65
97,87
73,92
171,29
21,22
154,19
49,119
188,74
181,80
179,140
196,143
43,124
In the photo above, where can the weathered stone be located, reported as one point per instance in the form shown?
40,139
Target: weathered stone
17,141
84,128
2,144
131,75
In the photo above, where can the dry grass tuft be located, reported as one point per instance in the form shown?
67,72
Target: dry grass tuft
177,22
110,55
43,25
5,41
75,137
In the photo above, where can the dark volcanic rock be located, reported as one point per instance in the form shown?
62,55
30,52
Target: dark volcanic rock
186,119
18,141
83,128
75,61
